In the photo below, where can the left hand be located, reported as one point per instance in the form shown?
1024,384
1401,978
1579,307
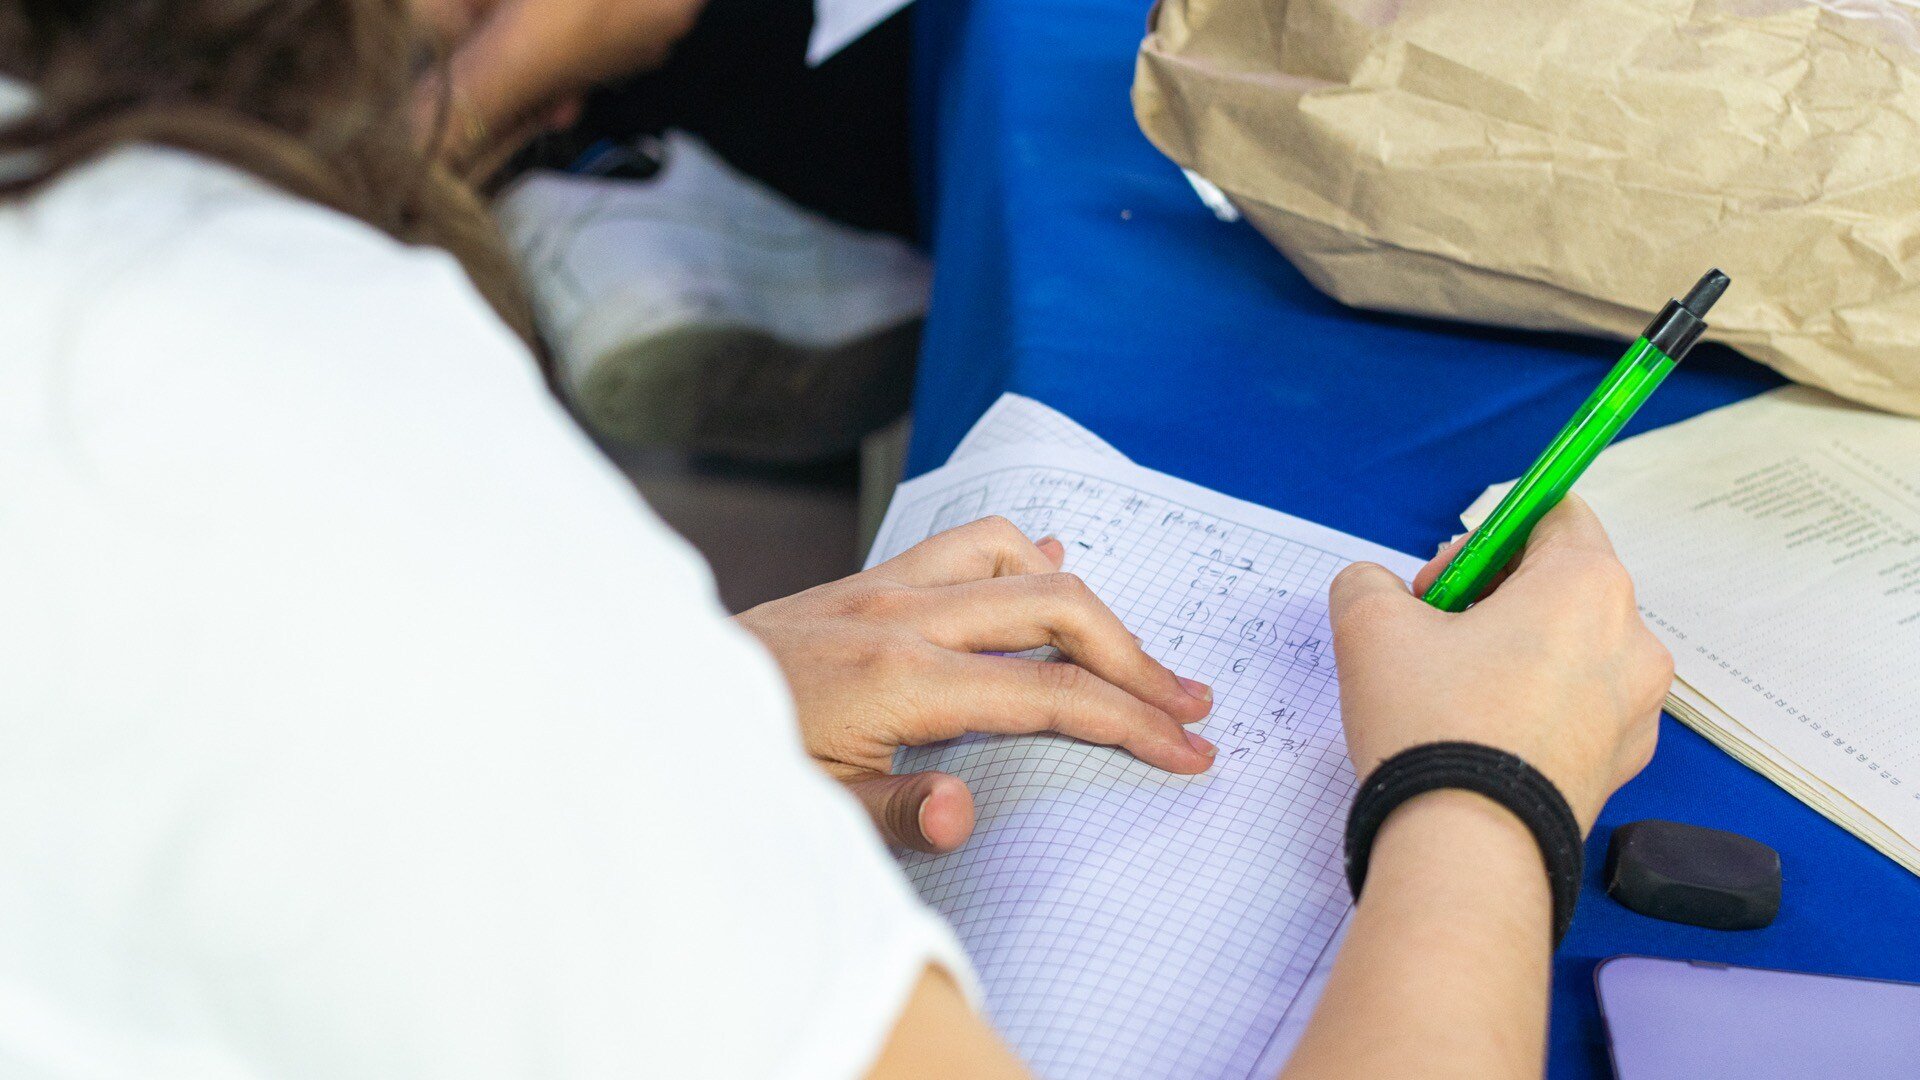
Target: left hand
898,656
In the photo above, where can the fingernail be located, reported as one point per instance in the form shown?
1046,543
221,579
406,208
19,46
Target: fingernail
1200,745
1046,540
1199,691
920,820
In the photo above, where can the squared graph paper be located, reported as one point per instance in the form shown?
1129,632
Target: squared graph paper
1128,923
1017,420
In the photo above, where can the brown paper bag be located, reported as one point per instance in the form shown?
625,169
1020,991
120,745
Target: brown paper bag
1570,164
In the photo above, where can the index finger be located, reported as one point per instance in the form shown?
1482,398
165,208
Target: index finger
1026,612
1569,539
987,548
1571,526
1429,573
1007,695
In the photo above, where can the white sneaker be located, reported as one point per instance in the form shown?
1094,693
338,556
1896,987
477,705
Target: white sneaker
701,309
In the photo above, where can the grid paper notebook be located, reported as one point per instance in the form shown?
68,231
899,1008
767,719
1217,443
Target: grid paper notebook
1126,922
1016,420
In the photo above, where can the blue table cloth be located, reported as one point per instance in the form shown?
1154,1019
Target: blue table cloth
1075,265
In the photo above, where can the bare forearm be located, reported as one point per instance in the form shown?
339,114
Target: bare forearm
940,1037
1445,971
515,62
523,58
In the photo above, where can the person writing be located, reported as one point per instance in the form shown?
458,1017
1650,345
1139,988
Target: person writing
360,720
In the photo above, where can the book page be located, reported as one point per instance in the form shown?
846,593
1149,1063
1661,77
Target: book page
1127,922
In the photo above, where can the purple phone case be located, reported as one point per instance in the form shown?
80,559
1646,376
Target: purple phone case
1691,1020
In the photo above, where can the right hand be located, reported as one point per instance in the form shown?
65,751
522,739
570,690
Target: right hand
1554,665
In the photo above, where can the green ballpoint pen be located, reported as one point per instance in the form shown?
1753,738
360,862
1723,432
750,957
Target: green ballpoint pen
1645,366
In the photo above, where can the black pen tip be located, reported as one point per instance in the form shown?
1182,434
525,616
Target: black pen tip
1701,297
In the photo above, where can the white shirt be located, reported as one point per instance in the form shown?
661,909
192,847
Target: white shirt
356,718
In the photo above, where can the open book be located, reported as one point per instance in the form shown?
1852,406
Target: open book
1127,922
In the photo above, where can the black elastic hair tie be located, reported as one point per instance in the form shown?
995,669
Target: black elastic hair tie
1499,776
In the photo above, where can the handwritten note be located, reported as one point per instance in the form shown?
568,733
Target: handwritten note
1126,922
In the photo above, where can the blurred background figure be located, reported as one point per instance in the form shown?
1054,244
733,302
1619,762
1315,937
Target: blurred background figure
697,308
716,238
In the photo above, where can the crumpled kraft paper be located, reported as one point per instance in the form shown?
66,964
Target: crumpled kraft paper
1570,164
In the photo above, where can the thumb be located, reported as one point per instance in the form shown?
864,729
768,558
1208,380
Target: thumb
928,811
1363,592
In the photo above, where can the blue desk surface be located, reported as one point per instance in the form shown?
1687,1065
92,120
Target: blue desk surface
1075,265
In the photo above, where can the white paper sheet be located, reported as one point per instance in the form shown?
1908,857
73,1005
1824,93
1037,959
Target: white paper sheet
1126,922
839,23
1016,419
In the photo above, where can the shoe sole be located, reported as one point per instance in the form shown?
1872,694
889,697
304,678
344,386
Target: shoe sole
738,393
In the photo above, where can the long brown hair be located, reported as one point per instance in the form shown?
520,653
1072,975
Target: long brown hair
313,96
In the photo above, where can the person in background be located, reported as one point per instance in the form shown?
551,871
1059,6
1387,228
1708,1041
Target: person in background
518,67
360,721
688,303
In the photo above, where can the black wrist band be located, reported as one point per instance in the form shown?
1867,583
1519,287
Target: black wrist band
1499,776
